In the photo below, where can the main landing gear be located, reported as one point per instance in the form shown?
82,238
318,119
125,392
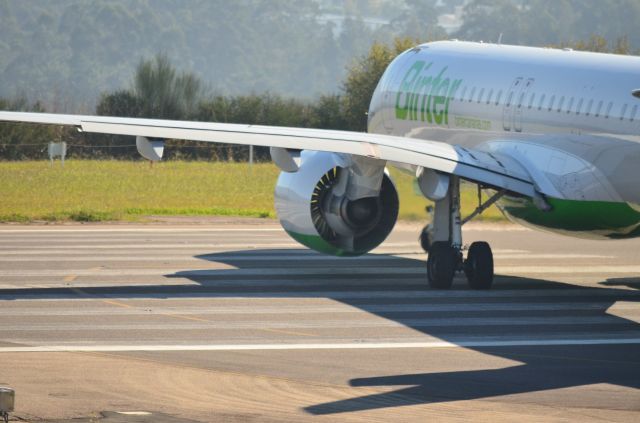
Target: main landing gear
442,239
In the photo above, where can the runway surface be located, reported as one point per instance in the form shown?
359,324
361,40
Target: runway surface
232,321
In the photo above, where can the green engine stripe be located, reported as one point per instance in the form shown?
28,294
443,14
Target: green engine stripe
317,243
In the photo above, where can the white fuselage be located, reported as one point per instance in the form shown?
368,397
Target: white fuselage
569,117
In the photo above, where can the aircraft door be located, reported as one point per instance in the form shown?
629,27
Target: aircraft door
390,87
507,111
388,103
519,104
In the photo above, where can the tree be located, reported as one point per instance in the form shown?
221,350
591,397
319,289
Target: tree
66,52
544,22
328,113
419,19
122,103
485,20
363,77
162,92
600,45
265,109
20,141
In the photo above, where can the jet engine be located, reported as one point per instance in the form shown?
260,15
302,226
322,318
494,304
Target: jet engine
334,203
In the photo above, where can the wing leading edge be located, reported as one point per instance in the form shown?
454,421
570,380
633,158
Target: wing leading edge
499,171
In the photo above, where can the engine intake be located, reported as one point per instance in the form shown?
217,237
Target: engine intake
314,208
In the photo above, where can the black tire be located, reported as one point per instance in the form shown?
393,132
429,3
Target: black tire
479,266
425,239
441,265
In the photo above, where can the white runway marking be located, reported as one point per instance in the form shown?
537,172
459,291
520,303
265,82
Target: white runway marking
210,228
154,229
134,413
418,255
54,248
218,272
51,247
340,346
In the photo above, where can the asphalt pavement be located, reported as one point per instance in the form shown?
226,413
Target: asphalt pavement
232,321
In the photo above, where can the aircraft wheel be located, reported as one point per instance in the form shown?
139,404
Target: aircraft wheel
479,266
425,239
441,265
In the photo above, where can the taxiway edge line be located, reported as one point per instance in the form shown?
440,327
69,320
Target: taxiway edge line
328,346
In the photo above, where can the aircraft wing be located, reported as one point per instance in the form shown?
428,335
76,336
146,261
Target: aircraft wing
499,171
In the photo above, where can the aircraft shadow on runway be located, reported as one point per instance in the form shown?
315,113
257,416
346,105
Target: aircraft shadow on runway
542,367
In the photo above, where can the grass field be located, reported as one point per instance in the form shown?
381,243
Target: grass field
120,190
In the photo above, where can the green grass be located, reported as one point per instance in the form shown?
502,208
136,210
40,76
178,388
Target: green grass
413,204
89,191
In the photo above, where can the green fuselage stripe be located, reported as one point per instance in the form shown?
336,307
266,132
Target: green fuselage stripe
599,219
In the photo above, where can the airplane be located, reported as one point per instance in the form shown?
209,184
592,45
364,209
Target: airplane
552,135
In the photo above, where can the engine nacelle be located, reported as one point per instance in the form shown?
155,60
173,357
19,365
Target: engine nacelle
316,206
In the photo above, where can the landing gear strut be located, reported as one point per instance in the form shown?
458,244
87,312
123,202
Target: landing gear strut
442,239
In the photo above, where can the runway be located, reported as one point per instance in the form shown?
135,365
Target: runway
231,321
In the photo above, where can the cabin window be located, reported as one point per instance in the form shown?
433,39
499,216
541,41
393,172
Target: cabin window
510,99
570,106
464,92
589,106
531,99
633,112
473,92
623,112
551,101
498,97
541,101
489,96
560,104
480,95
521,100
599,109
579,106
609,106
